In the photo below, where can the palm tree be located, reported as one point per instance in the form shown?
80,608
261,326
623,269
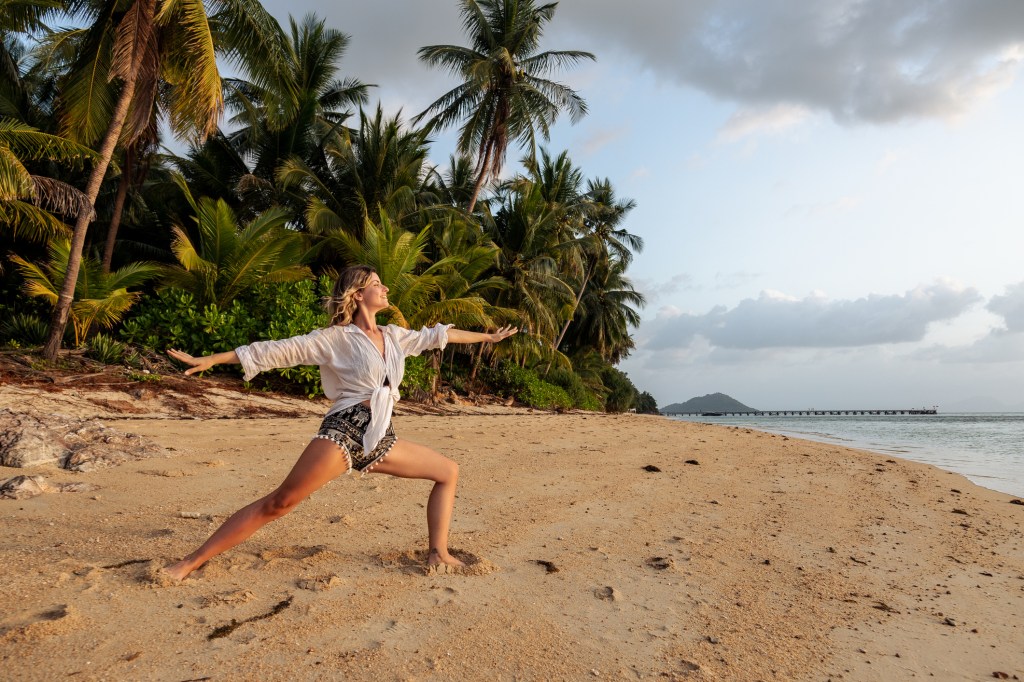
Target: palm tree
504,96
526,229
379,169
304,105
227,259
454,187
606,313
28,201
603,238
135,165
136,56
101,298
451,289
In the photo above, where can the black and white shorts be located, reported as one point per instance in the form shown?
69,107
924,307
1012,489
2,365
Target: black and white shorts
346,427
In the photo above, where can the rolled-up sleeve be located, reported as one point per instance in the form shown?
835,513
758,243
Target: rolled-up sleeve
309,349
414,342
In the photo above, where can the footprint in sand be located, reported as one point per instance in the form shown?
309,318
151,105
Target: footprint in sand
445,596
317,554
319,583
233,598
32,626
391,633
154,574
415,561
661,563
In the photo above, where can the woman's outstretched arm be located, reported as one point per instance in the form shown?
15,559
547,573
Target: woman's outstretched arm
205,362
462,336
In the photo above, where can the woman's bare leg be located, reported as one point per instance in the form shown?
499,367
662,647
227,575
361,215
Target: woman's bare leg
320,462
410,460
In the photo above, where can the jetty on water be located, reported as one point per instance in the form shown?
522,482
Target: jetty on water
802,413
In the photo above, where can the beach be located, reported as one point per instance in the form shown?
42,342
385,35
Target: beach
600,547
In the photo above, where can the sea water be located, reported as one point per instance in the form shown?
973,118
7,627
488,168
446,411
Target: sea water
986,447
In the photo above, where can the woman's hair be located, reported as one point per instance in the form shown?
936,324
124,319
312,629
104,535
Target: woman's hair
341,306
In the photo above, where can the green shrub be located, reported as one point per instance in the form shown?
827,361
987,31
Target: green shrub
106,350
646,404
418,378
582,397
25,329
172,319
510,380
622,393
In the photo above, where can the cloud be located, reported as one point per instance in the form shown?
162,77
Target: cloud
859,60
385,36
997,347
601,138
1010,307
775,320
654,289
772,119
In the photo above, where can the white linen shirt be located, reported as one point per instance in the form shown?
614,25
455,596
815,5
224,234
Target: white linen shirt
351,367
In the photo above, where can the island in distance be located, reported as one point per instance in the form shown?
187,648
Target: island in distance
713,402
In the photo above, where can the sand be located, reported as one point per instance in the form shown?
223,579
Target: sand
763,558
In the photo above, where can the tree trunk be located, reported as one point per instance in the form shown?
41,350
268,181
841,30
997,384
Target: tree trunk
115,218
483,174
435,362
59,320
575,307
477,357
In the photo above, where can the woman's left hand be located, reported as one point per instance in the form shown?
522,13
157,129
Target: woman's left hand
503,333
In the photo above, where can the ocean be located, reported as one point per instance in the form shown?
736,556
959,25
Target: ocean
986,447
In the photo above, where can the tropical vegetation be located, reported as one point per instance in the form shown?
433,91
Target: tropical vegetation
288,175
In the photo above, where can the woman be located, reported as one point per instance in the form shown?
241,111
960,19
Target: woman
361,366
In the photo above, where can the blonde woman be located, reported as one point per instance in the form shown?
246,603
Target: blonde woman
361,367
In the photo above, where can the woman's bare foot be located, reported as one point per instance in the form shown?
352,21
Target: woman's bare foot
179,571
436,558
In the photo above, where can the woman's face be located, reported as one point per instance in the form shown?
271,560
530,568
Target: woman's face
374,294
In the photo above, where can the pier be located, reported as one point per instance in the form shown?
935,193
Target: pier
804,413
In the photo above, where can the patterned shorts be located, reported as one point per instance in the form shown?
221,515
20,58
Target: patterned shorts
346,428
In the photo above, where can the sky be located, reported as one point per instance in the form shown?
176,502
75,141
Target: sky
830,193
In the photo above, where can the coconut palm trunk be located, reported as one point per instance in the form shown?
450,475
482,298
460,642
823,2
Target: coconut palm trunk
575,307
144,11
484,163
119,201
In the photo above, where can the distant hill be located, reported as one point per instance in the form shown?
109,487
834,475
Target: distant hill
713,402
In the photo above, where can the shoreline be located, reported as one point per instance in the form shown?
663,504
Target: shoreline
947,458
772,557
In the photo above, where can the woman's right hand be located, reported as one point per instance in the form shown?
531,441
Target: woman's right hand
196,364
